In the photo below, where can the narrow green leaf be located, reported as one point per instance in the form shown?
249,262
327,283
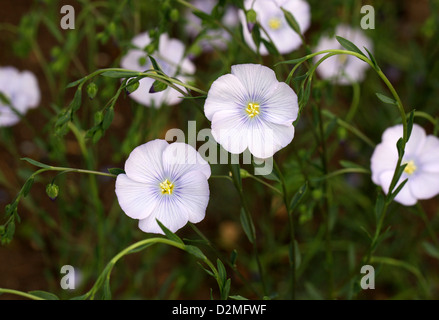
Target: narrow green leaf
76,102
386,99
372,58
44,295
120,74
298,196
35,163
226,289
237,297
292,22
431,250
222,274
348,45
116,171
158,86
397,190
74,83
233,257
195,251
410,122
108,118
247,226
379,206
27,186
169,234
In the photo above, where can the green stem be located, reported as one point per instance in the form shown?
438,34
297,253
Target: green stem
291,225
20,293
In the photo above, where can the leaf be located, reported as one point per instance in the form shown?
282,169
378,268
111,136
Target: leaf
349,45
379,206
431,250
270,47
44,295
76,102
236,175
158,86
293,61
226,289
222,274
247,226
27,186
400,147
195,251
298,196
74,83
386,99
116,171
238,297
233,257
372,58
350,165
108,118
35,163
292,22
397,190
410,122
120,74
169,234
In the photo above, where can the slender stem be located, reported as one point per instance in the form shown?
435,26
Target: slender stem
430,230
291,225
20,293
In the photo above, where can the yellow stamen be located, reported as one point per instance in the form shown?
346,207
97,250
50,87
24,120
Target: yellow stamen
410,168
167,187
252,109
274,23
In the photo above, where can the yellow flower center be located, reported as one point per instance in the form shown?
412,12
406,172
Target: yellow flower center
167,187
274,23
410,168
252,109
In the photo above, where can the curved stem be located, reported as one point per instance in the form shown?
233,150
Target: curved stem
20,293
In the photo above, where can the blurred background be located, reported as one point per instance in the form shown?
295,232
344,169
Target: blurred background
85,227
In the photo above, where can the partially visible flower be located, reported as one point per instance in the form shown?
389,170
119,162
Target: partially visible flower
250,108
271,17
169,56
167,182
213,38
20,92
422,159
343,69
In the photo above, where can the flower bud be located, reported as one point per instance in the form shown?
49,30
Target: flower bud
52,191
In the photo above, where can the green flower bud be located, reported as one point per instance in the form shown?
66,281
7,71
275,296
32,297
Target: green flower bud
52,191
92,90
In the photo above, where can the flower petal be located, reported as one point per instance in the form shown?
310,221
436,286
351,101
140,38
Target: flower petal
181,158
145,162
169,212
226,93
424,185
259,81
405,196
416,141
282,106
428,156
229,129
138,200
193,195
265,138
384,158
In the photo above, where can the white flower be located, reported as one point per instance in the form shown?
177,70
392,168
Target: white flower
250,109
167,182
213,38
170,58
343,69
422,159
21,92
271,17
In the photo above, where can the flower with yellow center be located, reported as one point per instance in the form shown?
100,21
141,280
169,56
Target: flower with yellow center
165,182
250,109
421,157
270,16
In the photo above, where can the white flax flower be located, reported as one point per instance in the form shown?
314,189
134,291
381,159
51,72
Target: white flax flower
270,16
20,92
250,108
167,182
422,159
343,69
170,58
